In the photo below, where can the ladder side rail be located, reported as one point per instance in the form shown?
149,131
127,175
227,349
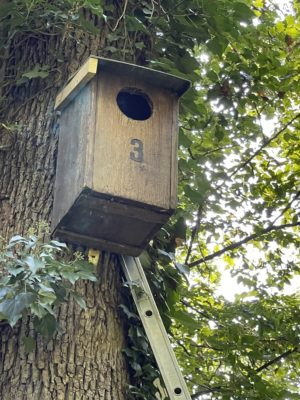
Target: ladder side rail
155,330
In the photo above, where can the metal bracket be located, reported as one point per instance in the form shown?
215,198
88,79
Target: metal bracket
155,330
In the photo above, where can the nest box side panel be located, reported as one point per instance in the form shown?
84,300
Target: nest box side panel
76,135
174,160
133,159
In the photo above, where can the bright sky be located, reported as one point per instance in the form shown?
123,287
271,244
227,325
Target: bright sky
229,286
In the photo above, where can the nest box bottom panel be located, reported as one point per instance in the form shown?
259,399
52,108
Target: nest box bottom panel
109,223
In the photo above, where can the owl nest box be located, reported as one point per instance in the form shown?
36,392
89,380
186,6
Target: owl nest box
116,180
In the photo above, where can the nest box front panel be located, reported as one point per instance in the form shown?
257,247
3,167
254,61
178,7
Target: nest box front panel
135,141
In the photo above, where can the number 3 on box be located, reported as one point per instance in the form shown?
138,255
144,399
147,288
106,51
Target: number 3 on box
138,150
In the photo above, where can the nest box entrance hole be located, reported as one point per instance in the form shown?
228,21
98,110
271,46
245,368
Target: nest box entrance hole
135,104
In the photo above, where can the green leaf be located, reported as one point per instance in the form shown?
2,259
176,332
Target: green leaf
217,45
12,309
15,270
79,300
182,268
195,196
59,244
88,26
186,319
34,263
46,296
37,72
38,310
70,276
88,275
46,326
127,312
133,24
29,343
184,140
137,368
243,12
179,228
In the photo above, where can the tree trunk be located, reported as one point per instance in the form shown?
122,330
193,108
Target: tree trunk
85,361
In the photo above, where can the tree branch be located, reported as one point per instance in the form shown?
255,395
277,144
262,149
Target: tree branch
265,144
276,359
241,242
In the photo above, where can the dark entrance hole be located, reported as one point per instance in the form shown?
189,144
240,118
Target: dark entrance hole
135,104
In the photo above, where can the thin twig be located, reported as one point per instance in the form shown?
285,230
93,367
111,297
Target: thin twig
121,16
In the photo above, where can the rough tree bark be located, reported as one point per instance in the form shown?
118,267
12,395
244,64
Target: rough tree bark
85,361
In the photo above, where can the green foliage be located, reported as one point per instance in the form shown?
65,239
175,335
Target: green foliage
238,184
38,276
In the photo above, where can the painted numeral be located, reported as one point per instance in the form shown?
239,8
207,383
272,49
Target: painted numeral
138,150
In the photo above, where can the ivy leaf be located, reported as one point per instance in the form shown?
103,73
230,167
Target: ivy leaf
47,296
133,24
79,300
170,256
37,72
59,244
15,270
70,276
12,309
137,368
88,275
182,268
38,310
88,26
46,326
29,343
34,263
127,312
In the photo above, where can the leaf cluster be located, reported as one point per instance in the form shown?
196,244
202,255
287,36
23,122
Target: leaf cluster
37,277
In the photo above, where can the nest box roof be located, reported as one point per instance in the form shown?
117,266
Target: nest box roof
94,64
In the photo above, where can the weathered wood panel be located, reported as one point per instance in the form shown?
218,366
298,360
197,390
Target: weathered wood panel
115,173
77,124
81,78
101,222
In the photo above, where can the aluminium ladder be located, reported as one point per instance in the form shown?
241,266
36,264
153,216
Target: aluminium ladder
154,328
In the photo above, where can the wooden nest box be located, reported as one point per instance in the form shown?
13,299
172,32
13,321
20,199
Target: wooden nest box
117,158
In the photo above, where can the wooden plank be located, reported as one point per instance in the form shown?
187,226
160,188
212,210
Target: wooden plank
174,150
116,173
102,223
77,125
81,78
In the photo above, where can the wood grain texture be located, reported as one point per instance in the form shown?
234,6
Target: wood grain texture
114,225
174,151
77,125
114,172
80,79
